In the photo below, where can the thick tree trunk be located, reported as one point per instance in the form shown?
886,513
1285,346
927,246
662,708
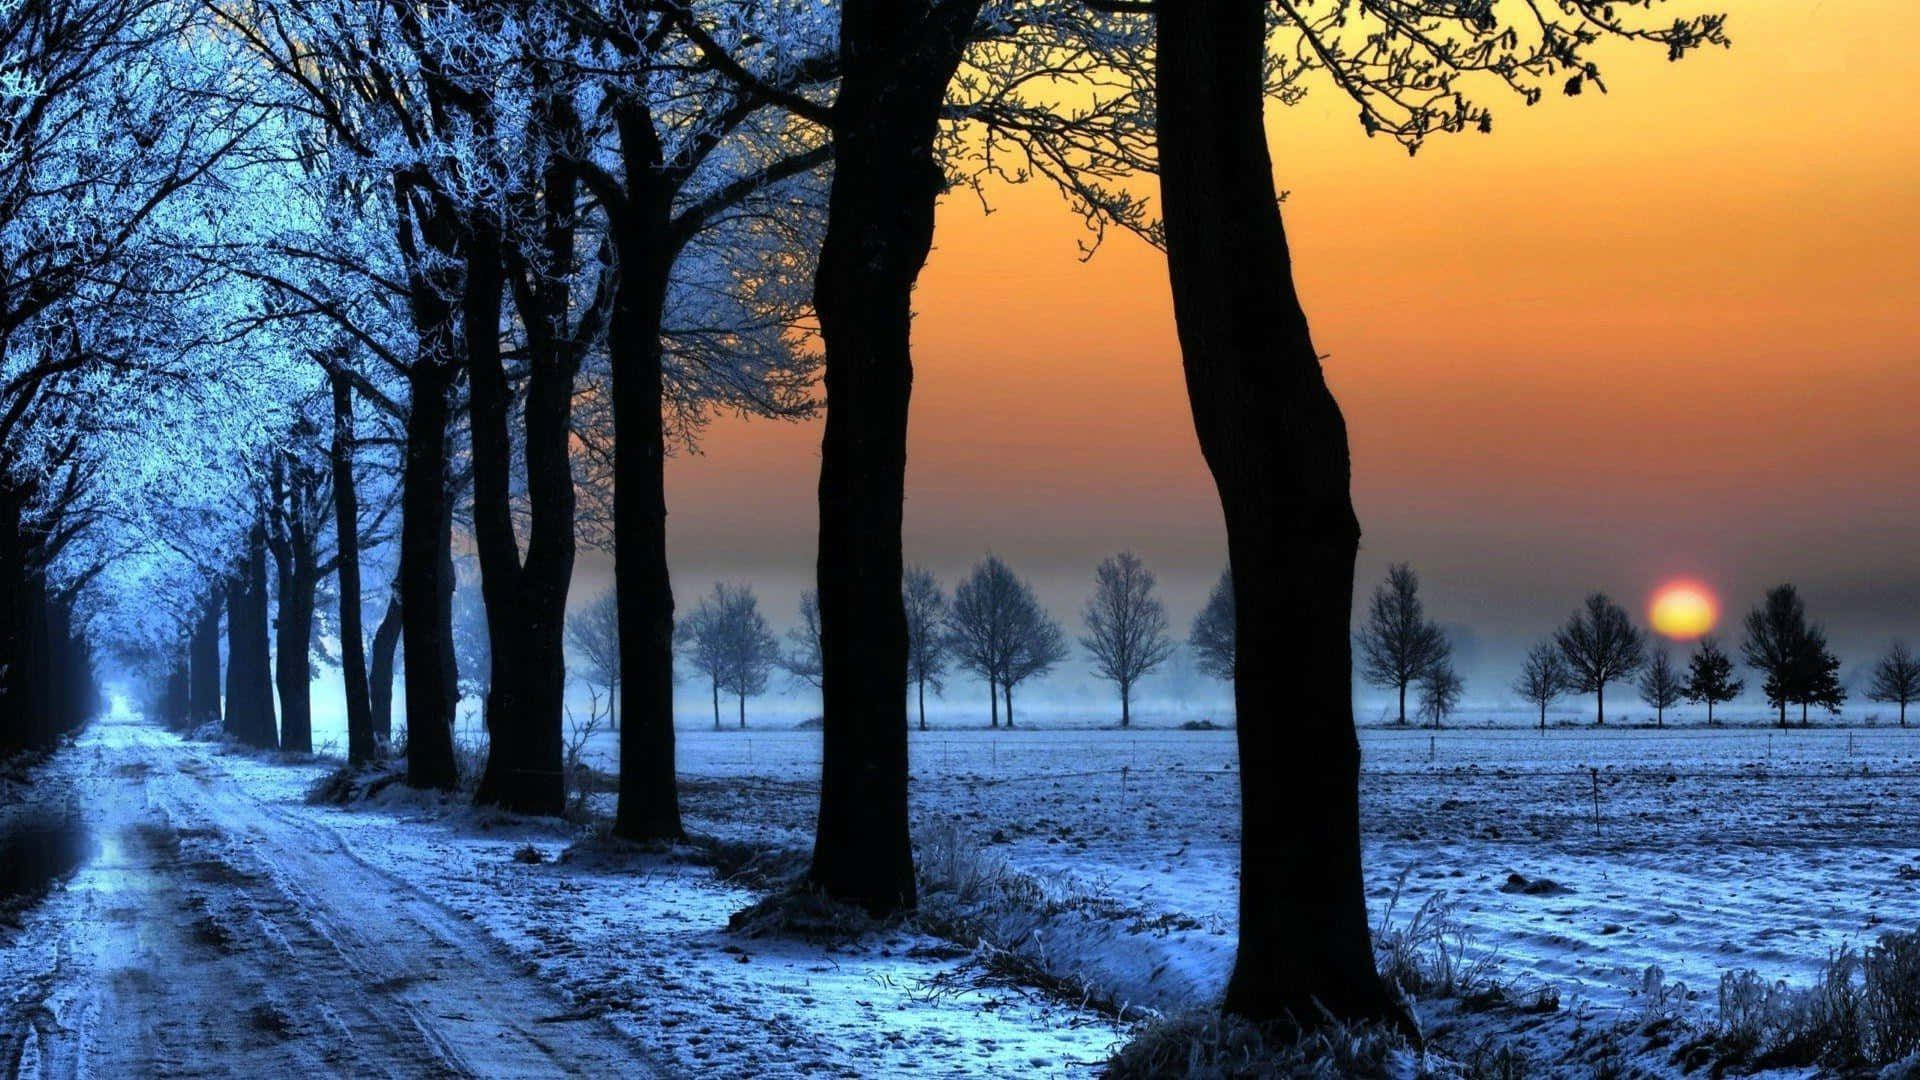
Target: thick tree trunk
993,703
923,704
425,536
203,690
1600,705
526,601
1403,703
716,705
1276,443
1007,689
19,609
173,698
250,713
1126,705
386,641
293,662
649,800
743,712
361,747
897,58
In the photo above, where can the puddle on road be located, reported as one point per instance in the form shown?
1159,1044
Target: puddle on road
37,852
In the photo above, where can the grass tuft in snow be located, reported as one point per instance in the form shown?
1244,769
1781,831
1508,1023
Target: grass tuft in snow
1208,1045
1431,955
1862,1011
804,912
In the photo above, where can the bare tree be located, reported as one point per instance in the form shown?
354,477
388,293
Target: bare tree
1710,676
1896,679
1544,679
980,625
802,661
728,640
1601,645
1440,691
1660,686
1212,635
1399,645
1038,644
998,631
926,608
594,632
1126,626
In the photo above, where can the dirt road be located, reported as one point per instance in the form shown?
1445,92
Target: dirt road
206,933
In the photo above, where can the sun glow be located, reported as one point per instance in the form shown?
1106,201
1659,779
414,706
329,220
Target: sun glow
1683,609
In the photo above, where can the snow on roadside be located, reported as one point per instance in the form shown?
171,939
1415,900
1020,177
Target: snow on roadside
643,939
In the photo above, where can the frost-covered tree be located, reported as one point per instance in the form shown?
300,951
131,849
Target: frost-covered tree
1126,626
1273,434
1544,678
1896,679
1660,686
1600,645
1710,678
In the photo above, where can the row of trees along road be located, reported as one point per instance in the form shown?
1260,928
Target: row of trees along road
354,279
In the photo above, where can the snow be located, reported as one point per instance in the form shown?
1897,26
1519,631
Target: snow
1713,850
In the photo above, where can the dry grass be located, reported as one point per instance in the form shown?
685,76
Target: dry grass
1862,1011
1210,1046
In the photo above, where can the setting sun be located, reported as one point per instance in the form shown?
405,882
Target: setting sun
1683,609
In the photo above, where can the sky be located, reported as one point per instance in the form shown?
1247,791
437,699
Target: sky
1665,331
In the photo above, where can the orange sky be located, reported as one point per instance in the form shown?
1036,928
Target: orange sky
1668,330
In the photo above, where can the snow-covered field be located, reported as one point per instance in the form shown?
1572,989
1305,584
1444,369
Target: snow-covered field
1713,849
420,933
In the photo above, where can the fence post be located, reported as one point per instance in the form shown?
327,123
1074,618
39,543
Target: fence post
1595,774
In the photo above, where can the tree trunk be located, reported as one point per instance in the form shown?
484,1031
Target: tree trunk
250,714
743,712
1007,689
1543,718
425,535
993,702
716,704
649,801
1600,705
1403,703
361,747
896,61
1276,443
296,497
526,600
203,659
1126,705
386,640
293,664
923,705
